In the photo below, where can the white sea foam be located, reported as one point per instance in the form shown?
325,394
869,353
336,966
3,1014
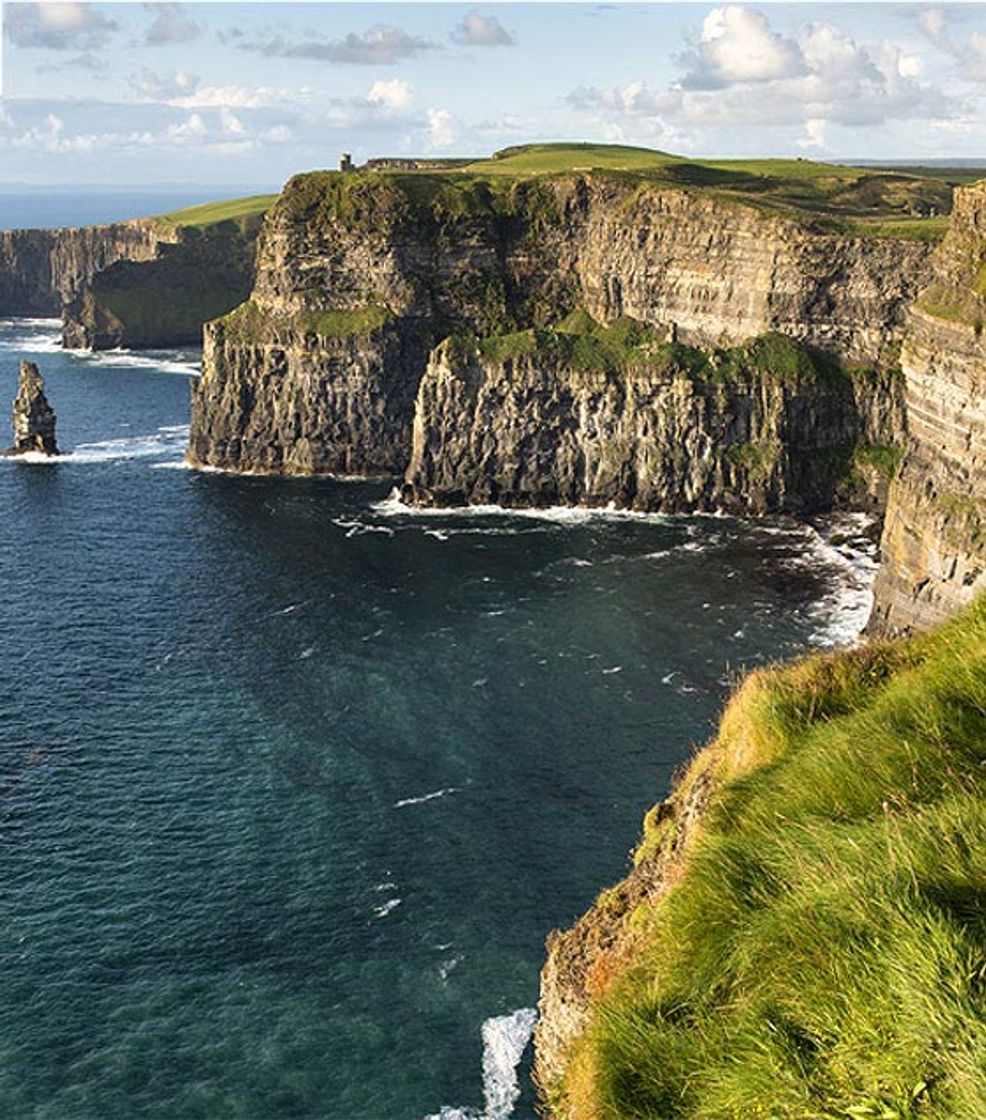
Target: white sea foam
33,343
843,545
48,324
447,966
390,905
165,441
426,797
392,506
38,458
128,359
505,1038
44,336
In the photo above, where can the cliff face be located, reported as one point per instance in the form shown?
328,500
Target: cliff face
934,540
360,277
163,298
40,269
668,431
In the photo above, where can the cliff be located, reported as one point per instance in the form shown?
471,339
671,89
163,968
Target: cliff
934,542
797,935
40,270
162,299
144,283
361,277
564,420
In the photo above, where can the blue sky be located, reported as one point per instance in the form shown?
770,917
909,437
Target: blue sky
246,94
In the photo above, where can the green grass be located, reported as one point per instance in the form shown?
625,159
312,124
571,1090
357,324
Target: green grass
880,457
239,210
561,158
823,954
249,323
874,202
339,324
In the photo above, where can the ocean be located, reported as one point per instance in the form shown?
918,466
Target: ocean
39,210
296,780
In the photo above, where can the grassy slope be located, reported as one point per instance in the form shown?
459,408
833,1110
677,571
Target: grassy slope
212,213
824,953
872,201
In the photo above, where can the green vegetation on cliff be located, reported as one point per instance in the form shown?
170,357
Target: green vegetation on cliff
821,950
243,211
849,200
581,343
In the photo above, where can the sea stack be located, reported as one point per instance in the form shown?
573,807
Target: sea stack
33,419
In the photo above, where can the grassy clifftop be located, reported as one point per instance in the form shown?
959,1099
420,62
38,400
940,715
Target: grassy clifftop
246,213
881,202
820,948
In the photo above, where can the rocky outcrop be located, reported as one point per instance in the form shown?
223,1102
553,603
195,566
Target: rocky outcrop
933,558
40,270
33,419
763,429
360,277
583,961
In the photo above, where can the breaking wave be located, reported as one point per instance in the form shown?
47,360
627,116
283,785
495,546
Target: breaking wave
505,1038
165,441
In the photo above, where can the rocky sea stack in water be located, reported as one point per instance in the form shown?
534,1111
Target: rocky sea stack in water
33,418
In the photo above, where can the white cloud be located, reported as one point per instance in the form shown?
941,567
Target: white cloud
442,128
170,25
969,51
475,30
815,135
738,45
57,26
232,97
381,45
395,94
231,124
151,86
279,134
226,135
823,76
910,65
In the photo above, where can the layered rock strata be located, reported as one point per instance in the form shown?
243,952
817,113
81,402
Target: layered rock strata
32,418
361,277
663,432
40,270
933,553
163,299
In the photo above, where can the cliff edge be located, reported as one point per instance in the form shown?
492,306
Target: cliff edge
801,934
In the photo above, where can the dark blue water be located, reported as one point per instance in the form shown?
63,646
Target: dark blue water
37,210
294,783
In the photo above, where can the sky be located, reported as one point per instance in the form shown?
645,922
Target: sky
244,95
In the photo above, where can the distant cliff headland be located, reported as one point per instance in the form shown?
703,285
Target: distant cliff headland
143,283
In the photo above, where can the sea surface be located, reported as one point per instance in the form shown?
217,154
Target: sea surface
39,210
294,781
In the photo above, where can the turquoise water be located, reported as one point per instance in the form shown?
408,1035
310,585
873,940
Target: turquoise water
295,782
